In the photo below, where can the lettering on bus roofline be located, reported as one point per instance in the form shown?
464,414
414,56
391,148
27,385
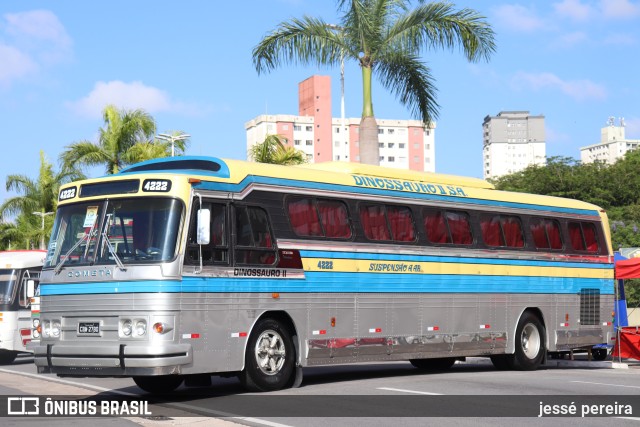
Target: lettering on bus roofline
413,186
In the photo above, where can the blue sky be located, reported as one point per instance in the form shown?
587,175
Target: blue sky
189,64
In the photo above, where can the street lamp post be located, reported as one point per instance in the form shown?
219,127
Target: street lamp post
173,139
42,215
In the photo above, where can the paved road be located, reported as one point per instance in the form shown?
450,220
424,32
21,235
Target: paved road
395,389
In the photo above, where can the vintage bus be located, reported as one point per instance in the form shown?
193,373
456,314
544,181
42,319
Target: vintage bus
176,269
19,279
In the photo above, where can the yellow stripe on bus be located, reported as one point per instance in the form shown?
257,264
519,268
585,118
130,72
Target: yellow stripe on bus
415,267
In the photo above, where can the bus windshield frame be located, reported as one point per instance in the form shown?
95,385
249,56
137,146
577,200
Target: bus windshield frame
113,231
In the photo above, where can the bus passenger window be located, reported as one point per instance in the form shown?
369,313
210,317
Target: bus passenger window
401,223
304,217
335,219
491,234
374,222
546,233
459,227
312,217
254,241
436,228
217,251
512,230
583,236
502,230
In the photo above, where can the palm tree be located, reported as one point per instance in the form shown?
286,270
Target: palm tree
385,37
39,196
122,130
273,150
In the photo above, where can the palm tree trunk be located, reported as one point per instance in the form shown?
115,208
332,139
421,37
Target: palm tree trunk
369,149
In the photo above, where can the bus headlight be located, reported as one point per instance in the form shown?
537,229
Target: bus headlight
46,330
141,328
55,329
126,328
35,323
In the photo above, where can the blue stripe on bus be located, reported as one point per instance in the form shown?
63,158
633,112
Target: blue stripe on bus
219,186
449,259
332,282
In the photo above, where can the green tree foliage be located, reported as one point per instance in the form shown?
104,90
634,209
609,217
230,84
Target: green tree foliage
385,38
273,150
40,195
116,146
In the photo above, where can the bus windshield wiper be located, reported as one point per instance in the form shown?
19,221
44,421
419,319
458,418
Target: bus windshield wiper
106,240
64,258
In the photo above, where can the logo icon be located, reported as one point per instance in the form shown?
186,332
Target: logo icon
23,406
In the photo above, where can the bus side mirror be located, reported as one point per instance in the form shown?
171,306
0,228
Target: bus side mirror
203,227
31,289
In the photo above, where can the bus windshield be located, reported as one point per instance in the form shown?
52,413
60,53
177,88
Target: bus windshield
114,231
8,278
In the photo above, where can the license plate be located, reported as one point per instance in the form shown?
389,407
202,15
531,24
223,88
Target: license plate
89,328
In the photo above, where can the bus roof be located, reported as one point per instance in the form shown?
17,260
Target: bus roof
234,175
22,259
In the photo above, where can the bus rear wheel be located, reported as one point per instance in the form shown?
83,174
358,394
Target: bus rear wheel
159,384
599,353
530,348
270,357
441,364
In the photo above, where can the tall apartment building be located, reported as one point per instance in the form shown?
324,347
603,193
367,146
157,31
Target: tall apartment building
512,140
404,144
613,144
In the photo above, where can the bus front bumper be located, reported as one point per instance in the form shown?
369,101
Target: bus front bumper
112,360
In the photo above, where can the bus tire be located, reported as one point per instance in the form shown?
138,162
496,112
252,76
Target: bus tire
269,357
530,348
160,384
501,362
7,356
599,354
440,364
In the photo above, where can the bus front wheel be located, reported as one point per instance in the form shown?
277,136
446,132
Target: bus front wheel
530,348
269,359
159,384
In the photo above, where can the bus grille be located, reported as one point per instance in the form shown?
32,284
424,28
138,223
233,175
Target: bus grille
590,306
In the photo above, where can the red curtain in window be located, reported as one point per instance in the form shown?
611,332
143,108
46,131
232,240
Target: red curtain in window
304,218
459,228
374,222
335,219
589,231
575,235
401,223
539,235
491,233
435,227
512,232
553,231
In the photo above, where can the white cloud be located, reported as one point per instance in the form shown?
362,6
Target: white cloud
574,10
619,9
620,40
571,39
31,41
577,89
15,64
518,17
134,95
